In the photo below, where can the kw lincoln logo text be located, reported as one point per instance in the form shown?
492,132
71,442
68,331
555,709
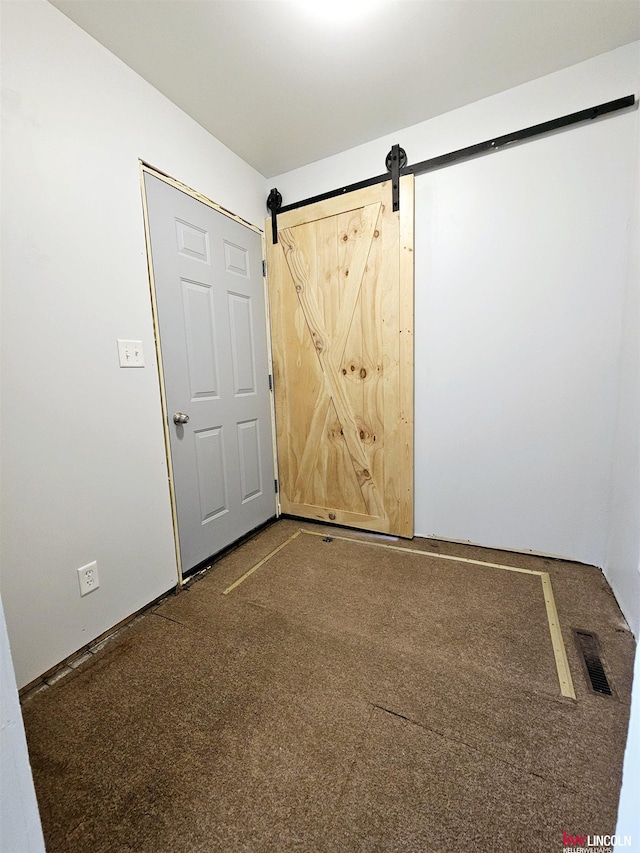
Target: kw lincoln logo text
593,843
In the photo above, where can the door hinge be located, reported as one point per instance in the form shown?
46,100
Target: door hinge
275,483
264,269
270,382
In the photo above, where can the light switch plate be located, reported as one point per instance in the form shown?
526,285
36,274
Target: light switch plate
130,353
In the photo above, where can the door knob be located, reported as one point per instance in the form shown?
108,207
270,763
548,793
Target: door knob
180,418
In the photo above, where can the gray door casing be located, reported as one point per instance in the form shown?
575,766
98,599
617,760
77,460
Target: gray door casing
211,316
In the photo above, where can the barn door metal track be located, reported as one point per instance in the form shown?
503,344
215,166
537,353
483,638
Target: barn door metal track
396,161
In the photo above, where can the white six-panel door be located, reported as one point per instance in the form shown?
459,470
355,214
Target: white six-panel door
207,273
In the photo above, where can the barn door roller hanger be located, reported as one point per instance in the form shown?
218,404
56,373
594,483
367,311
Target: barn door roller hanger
396,160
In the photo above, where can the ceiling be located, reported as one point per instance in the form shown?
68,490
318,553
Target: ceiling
283,89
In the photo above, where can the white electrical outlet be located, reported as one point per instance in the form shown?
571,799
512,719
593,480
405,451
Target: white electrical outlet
88,578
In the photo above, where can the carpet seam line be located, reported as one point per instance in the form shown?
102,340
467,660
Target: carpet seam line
475,747
169,619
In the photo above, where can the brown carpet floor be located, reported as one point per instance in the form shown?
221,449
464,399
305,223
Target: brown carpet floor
342,698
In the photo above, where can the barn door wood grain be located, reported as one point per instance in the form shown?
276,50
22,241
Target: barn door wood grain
341,301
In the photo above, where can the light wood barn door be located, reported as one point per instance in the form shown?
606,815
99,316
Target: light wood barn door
341,301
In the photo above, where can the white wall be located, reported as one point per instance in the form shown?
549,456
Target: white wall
622,560
521,266
84,475
522,278
20,829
